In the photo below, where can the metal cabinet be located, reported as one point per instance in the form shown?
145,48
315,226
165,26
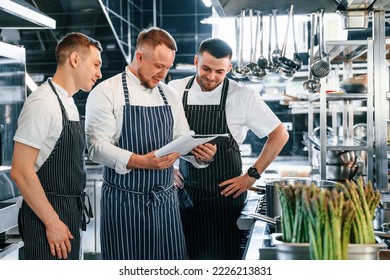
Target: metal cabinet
373,54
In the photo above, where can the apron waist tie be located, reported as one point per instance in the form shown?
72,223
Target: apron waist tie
155,194
84,204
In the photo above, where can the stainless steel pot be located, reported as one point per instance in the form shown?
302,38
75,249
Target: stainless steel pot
384,212
272,199
341,172
339,157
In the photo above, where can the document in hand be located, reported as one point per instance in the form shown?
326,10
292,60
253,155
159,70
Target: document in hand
185,143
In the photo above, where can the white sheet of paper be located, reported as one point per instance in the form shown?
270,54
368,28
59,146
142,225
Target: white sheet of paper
185,143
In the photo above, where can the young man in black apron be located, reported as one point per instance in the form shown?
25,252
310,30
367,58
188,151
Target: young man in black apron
129,116
48,159
215,104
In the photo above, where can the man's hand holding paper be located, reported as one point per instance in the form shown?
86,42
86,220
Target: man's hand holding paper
204,152
188,142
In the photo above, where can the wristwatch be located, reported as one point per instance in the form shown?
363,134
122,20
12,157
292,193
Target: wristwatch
252,172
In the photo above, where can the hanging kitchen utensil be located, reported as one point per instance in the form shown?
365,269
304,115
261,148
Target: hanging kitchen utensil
251,65
240,71
312,85
321,66
287,66
237,36
286,74
297,59
261,61
277,52
271,67
257,73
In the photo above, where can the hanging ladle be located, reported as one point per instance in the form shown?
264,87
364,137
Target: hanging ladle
277,52
287,74
297,59
286,64
311,85
240,71
271,68
321,66
257,73
251,65
261,61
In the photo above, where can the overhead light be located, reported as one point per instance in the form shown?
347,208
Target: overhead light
213,19
207,3
18,14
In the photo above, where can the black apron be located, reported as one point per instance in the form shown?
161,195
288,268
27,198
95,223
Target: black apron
63,179
140,218
210,224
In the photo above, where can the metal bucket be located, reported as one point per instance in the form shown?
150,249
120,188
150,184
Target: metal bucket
384,208
271,194
301,251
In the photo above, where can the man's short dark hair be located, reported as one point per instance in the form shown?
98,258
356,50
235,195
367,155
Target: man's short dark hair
216,47
75,41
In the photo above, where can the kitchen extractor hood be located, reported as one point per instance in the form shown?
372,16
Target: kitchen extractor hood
18,14
233,7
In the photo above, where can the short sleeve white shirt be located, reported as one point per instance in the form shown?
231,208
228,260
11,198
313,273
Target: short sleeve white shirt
245,108
40,120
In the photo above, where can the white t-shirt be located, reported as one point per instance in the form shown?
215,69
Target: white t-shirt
40,121
104,117
244,107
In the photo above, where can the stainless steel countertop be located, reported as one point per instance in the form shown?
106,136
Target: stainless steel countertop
258,234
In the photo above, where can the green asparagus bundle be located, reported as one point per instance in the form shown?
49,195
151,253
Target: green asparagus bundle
328,219
365,199
294,224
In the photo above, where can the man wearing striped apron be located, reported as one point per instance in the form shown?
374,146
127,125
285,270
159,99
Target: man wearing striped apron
216,104
48,159
129,116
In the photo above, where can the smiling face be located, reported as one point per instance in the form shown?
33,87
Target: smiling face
211,71
153,64
89,69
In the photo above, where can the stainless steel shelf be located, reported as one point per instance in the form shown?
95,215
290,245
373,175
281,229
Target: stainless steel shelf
347,53
340,96
352,50
372,55
350,143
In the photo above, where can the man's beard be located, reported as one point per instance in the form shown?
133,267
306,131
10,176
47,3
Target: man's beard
144,82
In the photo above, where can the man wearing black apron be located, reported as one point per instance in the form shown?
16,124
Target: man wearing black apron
48,159
129,116
214,104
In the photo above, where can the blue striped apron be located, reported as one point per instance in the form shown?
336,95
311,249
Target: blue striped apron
210,224
63,179
140,218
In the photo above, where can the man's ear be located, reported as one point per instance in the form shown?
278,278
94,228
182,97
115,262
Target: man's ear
196,59
139,56
230,67
74,59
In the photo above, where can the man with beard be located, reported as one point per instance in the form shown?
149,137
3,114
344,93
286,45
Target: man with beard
128,117
215,104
